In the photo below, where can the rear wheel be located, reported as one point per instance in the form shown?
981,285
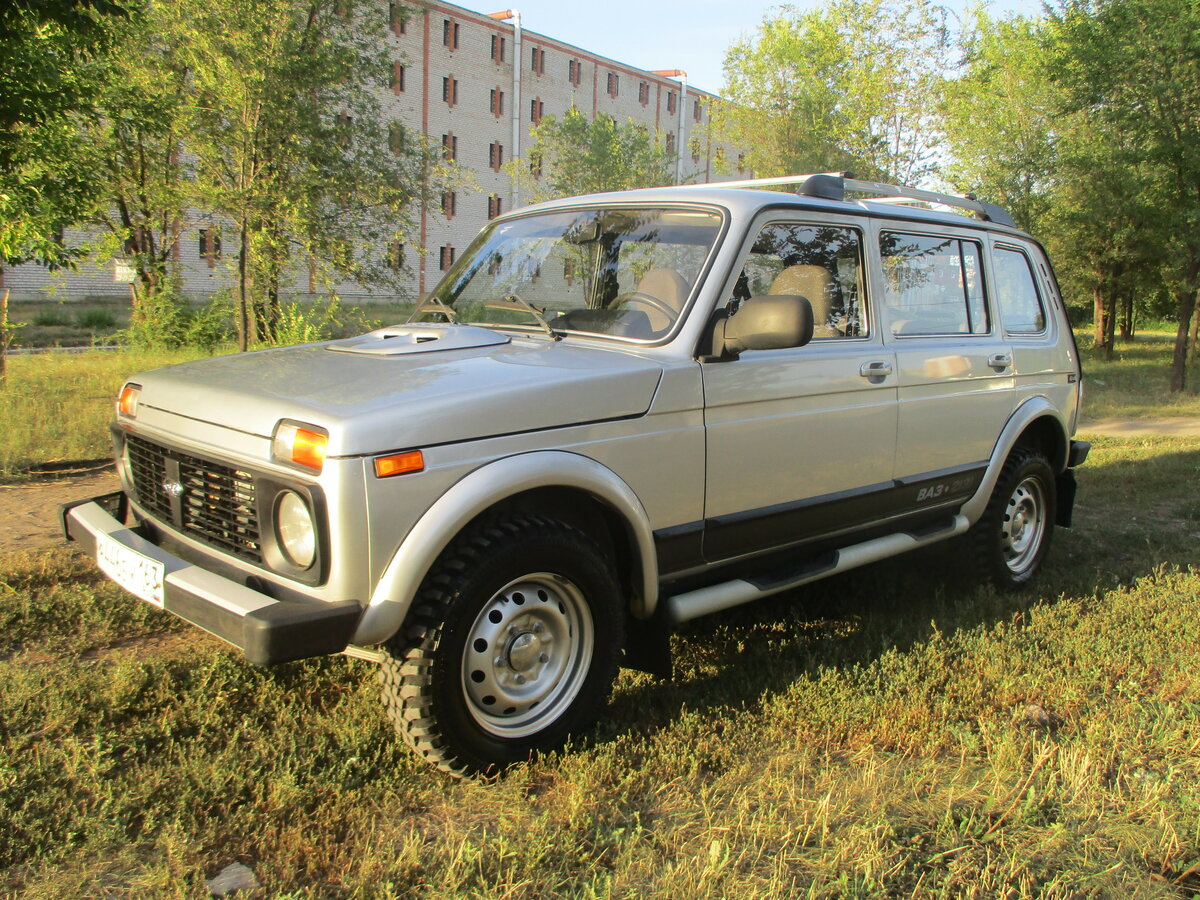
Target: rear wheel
513,646
1013,536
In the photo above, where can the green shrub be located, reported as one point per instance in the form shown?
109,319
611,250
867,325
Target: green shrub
51,318
95,319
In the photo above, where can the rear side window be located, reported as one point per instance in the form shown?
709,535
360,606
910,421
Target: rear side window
933,285
1021,308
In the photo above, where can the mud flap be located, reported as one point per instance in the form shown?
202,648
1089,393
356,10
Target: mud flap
648,643
1064,487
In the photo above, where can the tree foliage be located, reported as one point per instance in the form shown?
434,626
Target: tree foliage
291,148
53,65
849,85
1133,68
576,155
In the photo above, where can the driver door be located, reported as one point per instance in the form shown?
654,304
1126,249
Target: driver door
801,441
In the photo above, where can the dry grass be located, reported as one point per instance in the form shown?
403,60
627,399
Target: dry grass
901,732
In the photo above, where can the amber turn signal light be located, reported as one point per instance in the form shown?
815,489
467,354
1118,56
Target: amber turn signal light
300,445
127,405
399,464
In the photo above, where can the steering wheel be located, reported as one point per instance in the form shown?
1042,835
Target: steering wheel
651,301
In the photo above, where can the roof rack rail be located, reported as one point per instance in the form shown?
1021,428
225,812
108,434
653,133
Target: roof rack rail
834,186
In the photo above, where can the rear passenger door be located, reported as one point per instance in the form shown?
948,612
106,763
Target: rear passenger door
800,441
1024,302
954,366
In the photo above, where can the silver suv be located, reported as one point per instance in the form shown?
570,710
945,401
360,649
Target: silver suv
614,414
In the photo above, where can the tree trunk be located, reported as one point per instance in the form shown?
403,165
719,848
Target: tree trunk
1195,344
1127,316
245,316
5,335
1102,332
1186,297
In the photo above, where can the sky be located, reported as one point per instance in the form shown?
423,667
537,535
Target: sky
669,34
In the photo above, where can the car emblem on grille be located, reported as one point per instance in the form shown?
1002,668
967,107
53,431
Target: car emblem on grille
174,488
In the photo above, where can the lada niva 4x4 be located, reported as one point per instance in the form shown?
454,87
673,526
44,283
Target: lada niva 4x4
614,414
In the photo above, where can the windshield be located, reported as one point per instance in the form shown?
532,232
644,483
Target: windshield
624,273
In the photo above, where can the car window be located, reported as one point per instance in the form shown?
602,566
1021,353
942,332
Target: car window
1021,308
933,285
822,263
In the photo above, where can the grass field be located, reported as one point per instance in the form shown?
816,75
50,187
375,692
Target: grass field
896,732
58,406
1134,383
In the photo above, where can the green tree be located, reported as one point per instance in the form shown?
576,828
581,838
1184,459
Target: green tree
52,66
1000,117
291,148
1134,66
851,85
575,155
139,143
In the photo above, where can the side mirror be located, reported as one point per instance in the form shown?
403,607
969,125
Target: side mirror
769,322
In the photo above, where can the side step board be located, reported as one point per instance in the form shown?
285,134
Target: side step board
701,602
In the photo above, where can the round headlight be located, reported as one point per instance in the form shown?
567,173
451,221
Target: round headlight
294,529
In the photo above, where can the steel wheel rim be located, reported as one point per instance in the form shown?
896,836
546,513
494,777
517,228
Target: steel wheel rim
1024,525
527,655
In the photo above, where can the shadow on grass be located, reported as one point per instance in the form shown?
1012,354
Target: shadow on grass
1136,511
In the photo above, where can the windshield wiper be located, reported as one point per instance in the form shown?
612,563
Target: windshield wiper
435,305
509,300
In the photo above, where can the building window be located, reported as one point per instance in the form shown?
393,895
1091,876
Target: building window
643,93
670,144
497,103
397,19
450,147
397,78
537,60
741,163
696,112
614,84
536,108
395,256
535,163
450,90
574,71
449,203
496,155
445,257
694,146
396,137
210,245
498,47
345,124
450,34
569,270
670,101
494,206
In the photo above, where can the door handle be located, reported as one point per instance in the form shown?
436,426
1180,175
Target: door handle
1000,360
876,369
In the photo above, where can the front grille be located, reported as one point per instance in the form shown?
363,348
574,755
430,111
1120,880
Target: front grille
205,500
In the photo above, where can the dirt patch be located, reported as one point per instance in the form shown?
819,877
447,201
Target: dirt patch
29,510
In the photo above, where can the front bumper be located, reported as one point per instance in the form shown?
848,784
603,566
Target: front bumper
266,629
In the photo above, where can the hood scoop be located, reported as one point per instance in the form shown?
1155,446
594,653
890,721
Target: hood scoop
400,340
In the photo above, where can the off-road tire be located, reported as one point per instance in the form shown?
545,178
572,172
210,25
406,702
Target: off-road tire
538,579
1012,537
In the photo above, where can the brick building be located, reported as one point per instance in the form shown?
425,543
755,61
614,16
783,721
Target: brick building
477,84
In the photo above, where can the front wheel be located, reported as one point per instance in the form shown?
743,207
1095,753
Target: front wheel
1013,536
513,646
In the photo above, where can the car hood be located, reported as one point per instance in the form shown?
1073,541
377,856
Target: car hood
370,402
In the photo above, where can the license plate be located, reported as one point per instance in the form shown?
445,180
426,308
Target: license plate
140,575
